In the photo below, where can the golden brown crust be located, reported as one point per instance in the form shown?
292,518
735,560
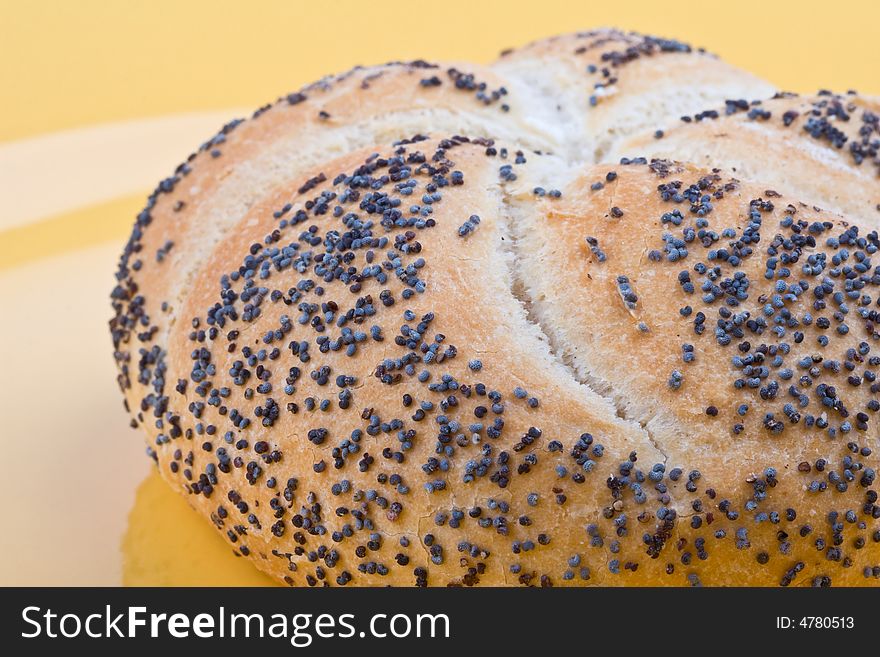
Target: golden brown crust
405,364
192,210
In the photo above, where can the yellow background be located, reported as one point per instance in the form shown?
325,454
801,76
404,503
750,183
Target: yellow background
71,63
100,99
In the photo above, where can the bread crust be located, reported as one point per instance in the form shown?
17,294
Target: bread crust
826,146
726,397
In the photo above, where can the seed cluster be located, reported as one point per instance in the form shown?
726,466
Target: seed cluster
842,122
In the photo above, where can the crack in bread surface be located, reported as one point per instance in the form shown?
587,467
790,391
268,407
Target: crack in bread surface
512,225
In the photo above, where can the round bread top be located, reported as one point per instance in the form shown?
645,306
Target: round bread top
458,361
825,149
600,86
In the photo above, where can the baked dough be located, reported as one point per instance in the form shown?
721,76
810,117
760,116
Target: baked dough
400,328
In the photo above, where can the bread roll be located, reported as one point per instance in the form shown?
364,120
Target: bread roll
456,360
827,146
